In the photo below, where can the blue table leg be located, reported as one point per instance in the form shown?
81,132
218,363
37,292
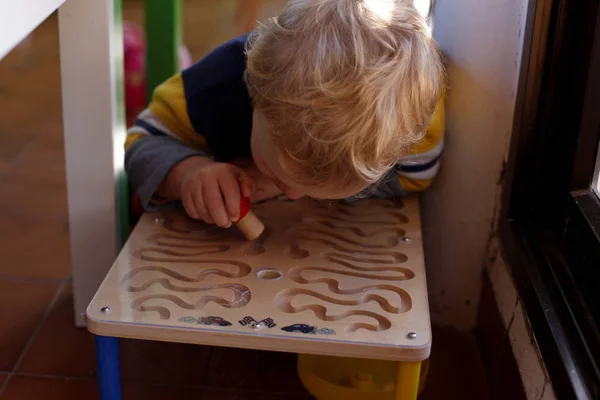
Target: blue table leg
109,371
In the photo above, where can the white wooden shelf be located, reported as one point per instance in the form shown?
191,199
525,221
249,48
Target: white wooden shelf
18,18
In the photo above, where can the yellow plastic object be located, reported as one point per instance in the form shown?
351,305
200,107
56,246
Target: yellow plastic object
335,378
407,381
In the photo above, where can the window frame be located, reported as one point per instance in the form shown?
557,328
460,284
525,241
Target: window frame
550,218
596,181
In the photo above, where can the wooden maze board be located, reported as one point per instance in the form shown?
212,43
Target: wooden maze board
325,278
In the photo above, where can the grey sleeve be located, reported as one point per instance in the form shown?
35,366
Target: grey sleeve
149,160
387,188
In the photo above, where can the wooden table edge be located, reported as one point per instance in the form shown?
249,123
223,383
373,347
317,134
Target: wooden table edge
256,341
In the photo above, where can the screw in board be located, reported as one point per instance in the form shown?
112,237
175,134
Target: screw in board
412,335
406,239
105,309
259,325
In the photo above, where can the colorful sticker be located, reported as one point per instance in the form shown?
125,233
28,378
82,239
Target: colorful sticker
211,320
303,328
247,321
325,331
268,322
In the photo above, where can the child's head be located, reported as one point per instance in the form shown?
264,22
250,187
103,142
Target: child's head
342,89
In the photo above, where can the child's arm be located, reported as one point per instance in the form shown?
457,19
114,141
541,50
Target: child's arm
416,171
161,137
167,160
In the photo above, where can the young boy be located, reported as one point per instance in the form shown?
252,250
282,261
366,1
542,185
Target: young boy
334,99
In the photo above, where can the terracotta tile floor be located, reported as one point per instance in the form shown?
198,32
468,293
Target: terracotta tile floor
42,354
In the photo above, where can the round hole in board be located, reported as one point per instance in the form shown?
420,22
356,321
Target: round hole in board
269,274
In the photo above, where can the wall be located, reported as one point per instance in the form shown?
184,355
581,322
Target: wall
482,40
460,210
517,328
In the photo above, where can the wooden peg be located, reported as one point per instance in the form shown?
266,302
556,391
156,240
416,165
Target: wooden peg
248,223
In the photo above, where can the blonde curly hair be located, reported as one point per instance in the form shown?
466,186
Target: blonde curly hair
346,87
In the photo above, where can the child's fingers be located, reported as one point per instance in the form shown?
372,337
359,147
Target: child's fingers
247,184
213,200
194,204
230,189
190,207
201,207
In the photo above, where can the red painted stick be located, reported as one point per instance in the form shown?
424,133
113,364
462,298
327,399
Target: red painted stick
248,223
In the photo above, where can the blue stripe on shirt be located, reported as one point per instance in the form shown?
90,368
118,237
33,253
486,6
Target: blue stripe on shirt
148,127
418,167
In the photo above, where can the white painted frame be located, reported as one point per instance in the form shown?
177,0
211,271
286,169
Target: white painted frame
596,181
91,52
18,18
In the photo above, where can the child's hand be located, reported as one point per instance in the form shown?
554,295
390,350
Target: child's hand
265,188
212,191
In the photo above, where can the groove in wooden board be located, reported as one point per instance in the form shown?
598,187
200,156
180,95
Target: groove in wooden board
303,231
242,268
191,226
241,297
349,260
199,232
334,284
350,208
285,298
186,242
376,213
284,303
186,254
193,235
184,284
397,232
394,258
296,251
390,219
152,270
297,275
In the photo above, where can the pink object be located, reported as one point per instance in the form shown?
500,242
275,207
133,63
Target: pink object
134,43
185,58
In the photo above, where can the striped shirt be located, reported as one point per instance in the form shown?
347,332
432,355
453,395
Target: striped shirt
206,110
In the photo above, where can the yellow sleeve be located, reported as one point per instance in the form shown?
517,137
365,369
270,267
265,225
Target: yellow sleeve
167,115
417,170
